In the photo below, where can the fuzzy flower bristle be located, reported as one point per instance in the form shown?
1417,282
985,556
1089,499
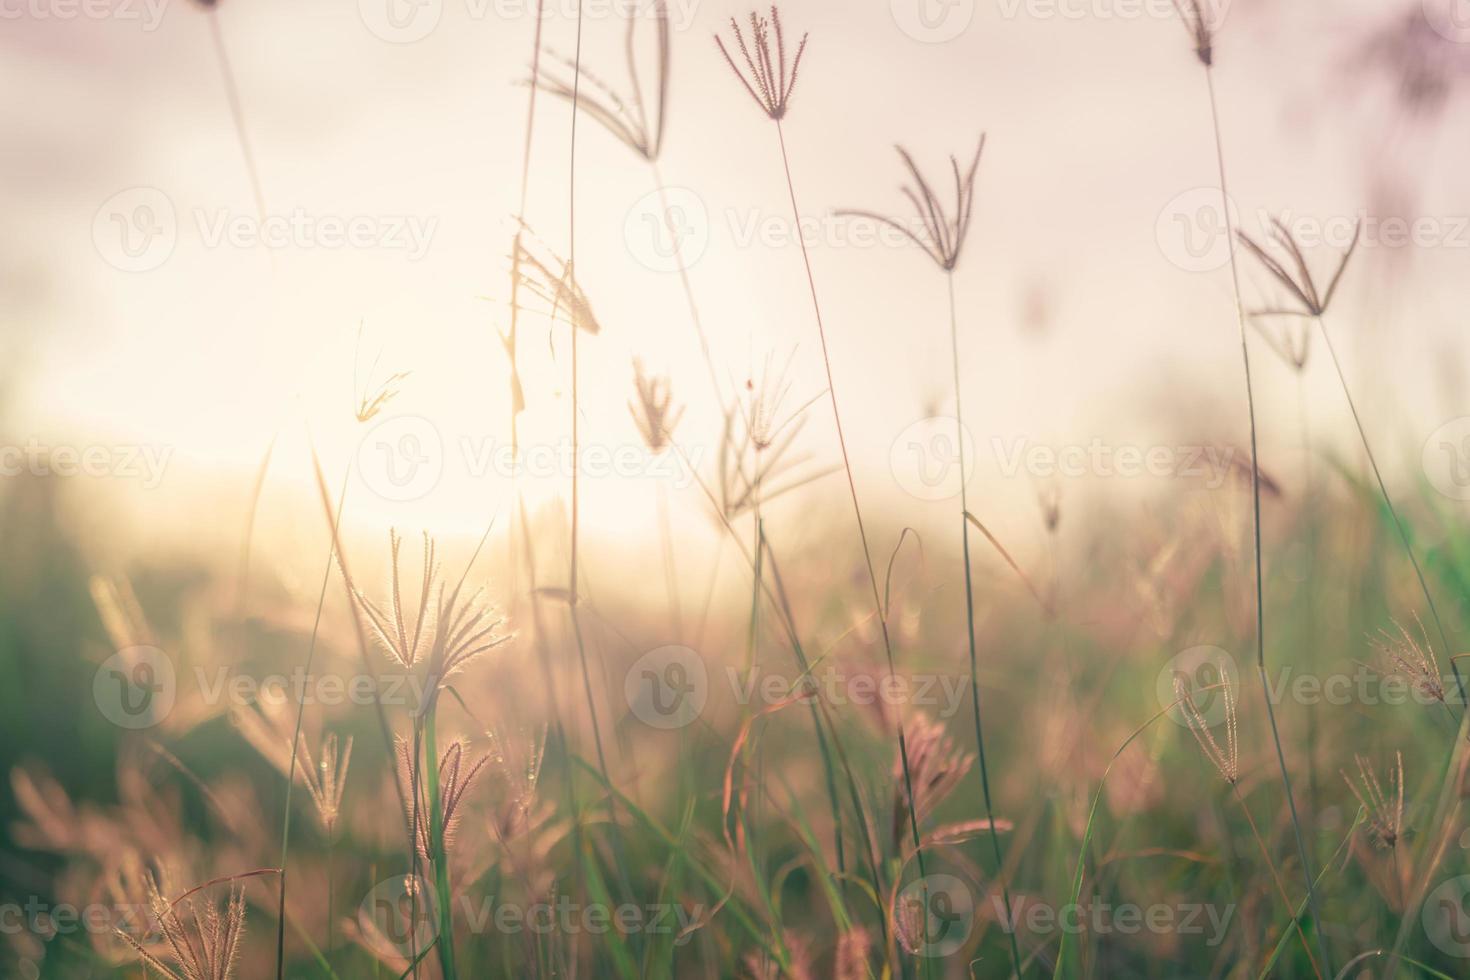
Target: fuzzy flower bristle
1385,811
764,71
1226,760
943,234
204,944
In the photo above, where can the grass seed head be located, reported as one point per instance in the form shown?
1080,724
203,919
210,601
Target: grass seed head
762,68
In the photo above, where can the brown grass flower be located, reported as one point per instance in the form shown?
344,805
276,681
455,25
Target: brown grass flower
203,943
764,73
1226,760
1385,811
1199,22
943,234
455,780
854,947
756,461
1414,659
935,767
517,761
652,409
632,121
445,629
1294,274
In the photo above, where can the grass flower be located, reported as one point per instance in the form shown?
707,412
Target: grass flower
1413,659
636,121
653,409
762,68
445,629
1226,759
1384,810
203,943
943,233
936,768
455,779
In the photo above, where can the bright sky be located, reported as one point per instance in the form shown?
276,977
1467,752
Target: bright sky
1081,318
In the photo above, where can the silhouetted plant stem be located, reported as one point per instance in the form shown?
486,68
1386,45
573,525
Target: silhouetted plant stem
1256,522
984,771
296,736
882,615
1393,512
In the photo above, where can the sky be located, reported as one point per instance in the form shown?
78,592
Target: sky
147,305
